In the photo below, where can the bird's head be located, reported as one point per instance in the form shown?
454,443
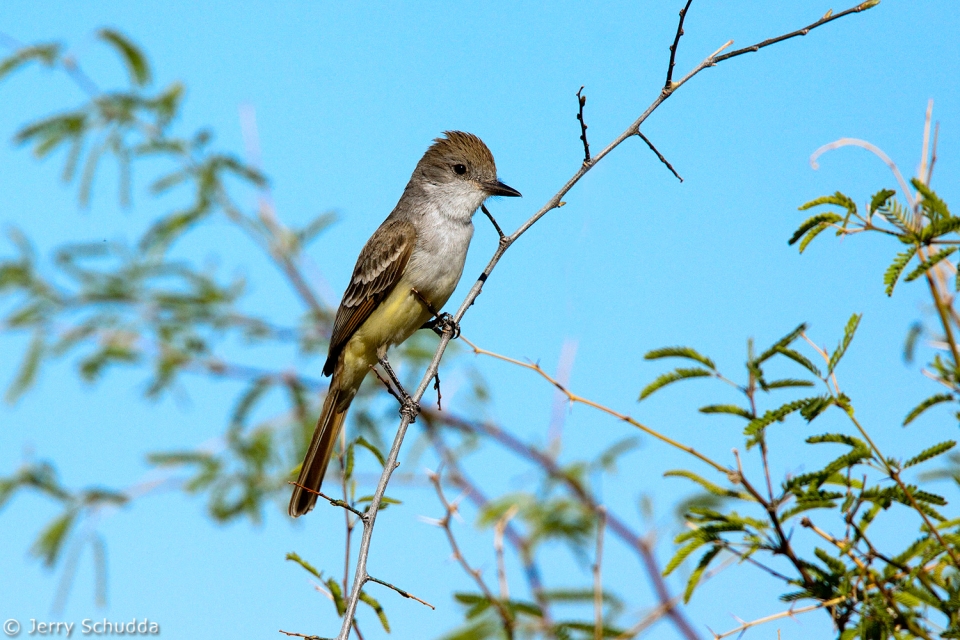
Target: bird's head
460,163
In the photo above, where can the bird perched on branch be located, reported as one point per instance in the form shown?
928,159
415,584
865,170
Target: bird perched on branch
404,275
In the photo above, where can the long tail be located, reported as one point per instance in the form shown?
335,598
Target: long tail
318,455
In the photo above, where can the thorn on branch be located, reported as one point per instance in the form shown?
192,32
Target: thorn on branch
582,100
659,155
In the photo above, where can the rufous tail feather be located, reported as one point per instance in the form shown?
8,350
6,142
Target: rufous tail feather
318,454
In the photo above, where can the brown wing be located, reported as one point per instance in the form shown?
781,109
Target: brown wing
379,267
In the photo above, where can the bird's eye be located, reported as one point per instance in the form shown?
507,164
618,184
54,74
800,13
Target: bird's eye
460,169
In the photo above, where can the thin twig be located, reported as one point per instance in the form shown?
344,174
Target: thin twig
519,542
830,17
582,100
673,47
301,635
405,594
505,243
617,526
332,501
659,155
590,403
783,614
451,508
386,383
489,215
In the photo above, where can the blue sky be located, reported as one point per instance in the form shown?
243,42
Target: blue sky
346,99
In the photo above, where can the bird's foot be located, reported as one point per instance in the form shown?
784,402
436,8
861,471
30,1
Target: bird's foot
444,323
409,408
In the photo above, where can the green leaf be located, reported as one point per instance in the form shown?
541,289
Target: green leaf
49,133
292,556
27,373
926,404
932,205
848,333
810,237
373,604
673,376
929,263
930,452
800,359
363,442
813,407
819,221
45,53
608,458
880,198
682,554
337,594
707,485
698,572
731,409
250,398
385,500
838,438
757,425
679,352
787,383
50,542
137,65
837,198
782,343
892,274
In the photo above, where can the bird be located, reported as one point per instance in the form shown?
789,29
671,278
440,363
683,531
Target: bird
405,273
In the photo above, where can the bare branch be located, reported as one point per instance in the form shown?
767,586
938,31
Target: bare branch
489,215
451,508
333,501
405,594
659,155
829,17
783,614
590,403
673,47
582,100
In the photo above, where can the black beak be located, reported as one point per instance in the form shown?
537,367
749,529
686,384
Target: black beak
499,189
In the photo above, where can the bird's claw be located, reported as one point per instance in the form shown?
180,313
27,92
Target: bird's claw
443,323
409,408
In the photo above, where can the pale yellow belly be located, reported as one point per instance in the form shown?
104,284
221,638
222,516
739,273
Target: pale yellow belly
392,322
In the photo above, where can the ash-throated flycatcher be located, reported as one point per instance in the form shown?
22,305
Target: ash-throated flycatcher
414,258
